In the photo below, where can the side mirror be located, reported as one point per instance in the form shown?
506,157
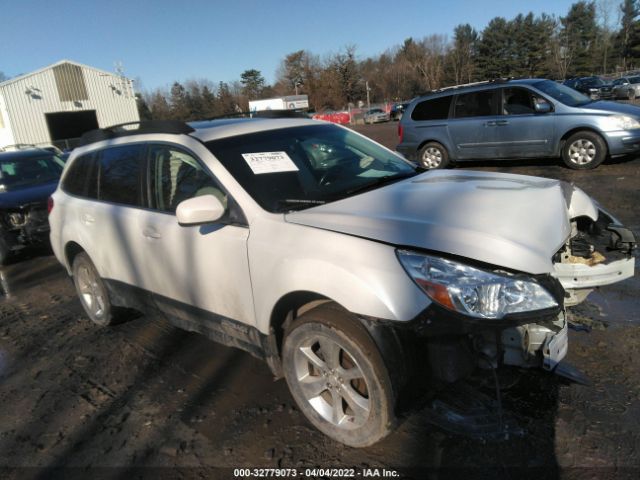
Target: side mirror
542,107
199,210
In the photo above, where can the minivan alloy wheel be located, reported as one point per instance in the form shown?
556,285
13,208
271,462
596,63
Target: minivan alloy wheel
582,152
332,382
432,157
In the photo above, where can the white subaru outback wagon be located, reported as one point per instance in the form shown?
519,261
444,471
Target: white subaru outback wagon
344,266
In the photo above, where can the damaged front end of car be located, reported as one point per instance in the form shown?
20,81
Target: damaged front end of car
23,225
488,317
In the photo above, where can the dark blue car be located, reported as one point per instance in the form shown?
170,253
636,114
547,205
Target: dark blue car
27,179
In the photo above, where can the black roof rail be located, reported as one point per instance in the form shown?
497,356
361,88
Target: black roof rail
149,126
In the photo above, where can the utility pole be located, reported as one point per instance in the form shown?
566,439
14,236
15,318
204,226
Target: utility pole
367,87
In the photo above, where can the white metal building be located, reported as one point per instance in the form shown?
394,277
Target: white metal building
61,102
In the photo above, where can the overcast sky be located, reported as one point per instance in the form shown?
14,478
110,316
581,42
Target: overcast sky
162,41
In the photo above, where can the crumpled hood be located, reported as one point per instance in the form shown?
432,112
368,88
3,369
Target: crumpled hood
513,221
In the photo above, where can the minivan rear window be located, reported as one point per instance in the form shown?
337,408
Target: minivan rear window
432,109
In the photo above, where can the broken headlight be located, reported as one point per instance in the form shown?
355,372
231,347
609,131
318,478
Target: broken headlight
472,291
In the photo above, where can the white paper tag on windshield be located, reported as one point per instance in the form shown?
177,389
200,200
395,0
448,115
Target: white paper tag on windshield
269,162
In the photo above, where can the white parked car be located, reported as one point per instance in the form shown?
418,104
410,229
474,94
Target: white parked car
376,115
344,266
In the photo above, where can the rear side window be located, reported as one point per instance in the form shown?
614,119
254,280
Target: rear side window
476,104
121,175
433,109
77,178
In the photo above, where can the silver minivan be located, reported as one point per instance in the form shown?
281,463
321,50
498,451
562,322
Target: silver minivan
511,119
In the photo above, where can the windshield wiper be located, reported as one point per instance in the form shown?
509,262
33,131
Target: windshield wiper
293,204
379,182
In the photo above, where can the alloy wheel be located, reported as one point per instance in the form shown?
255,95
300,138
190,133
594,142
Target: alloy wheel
90,292
582,152
332,382
432,157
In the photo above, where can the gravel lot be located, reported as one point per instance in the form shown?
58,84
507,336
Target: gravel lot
144,398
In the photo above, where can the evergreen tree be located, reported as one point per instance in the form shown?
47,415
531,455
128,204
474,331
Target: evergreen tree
159,106
580,30
627,40
252,84
179,102
226,102
464,53
143,108
209,103
496,50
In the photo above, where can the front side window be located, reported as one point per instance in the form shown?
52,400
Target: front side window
432,109
476,104
120,175
305,166
519,101
175,175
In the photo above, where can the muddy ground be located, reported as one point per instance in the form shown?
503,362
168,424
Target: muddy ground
145,399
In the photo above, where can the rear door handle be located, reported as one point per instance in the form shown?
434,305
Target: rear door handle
87,219
502,122
151,232
491,124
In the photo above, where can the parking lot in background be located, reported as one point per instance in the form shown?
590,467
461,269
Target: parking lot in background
145,394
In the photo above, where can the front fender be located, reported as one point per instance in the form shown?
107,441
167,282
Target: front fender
363,276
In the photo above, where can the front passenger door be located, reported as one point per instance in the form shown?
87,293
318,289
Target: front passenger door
521,131
204,266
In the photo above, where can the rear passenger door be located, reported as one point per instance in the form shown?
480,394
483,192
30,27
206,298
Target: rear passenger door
521,132
196,273
109,220
473,126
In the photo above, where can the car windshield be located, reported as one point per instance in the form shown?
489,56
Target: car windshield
302,167
20,172
562,93
375,110
593,82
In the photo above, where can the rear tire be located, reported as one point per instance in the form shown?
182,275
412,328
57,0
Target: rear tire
92,291
584,150
433,155
338,377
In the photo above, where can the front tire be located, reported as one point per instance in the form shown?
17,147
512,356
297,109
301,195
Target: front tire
433,155
338,377
92,291
584,150
631,95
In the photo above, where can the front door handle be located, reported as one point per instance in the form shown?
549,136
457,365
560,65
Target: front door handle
502,122
490,124
150,232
